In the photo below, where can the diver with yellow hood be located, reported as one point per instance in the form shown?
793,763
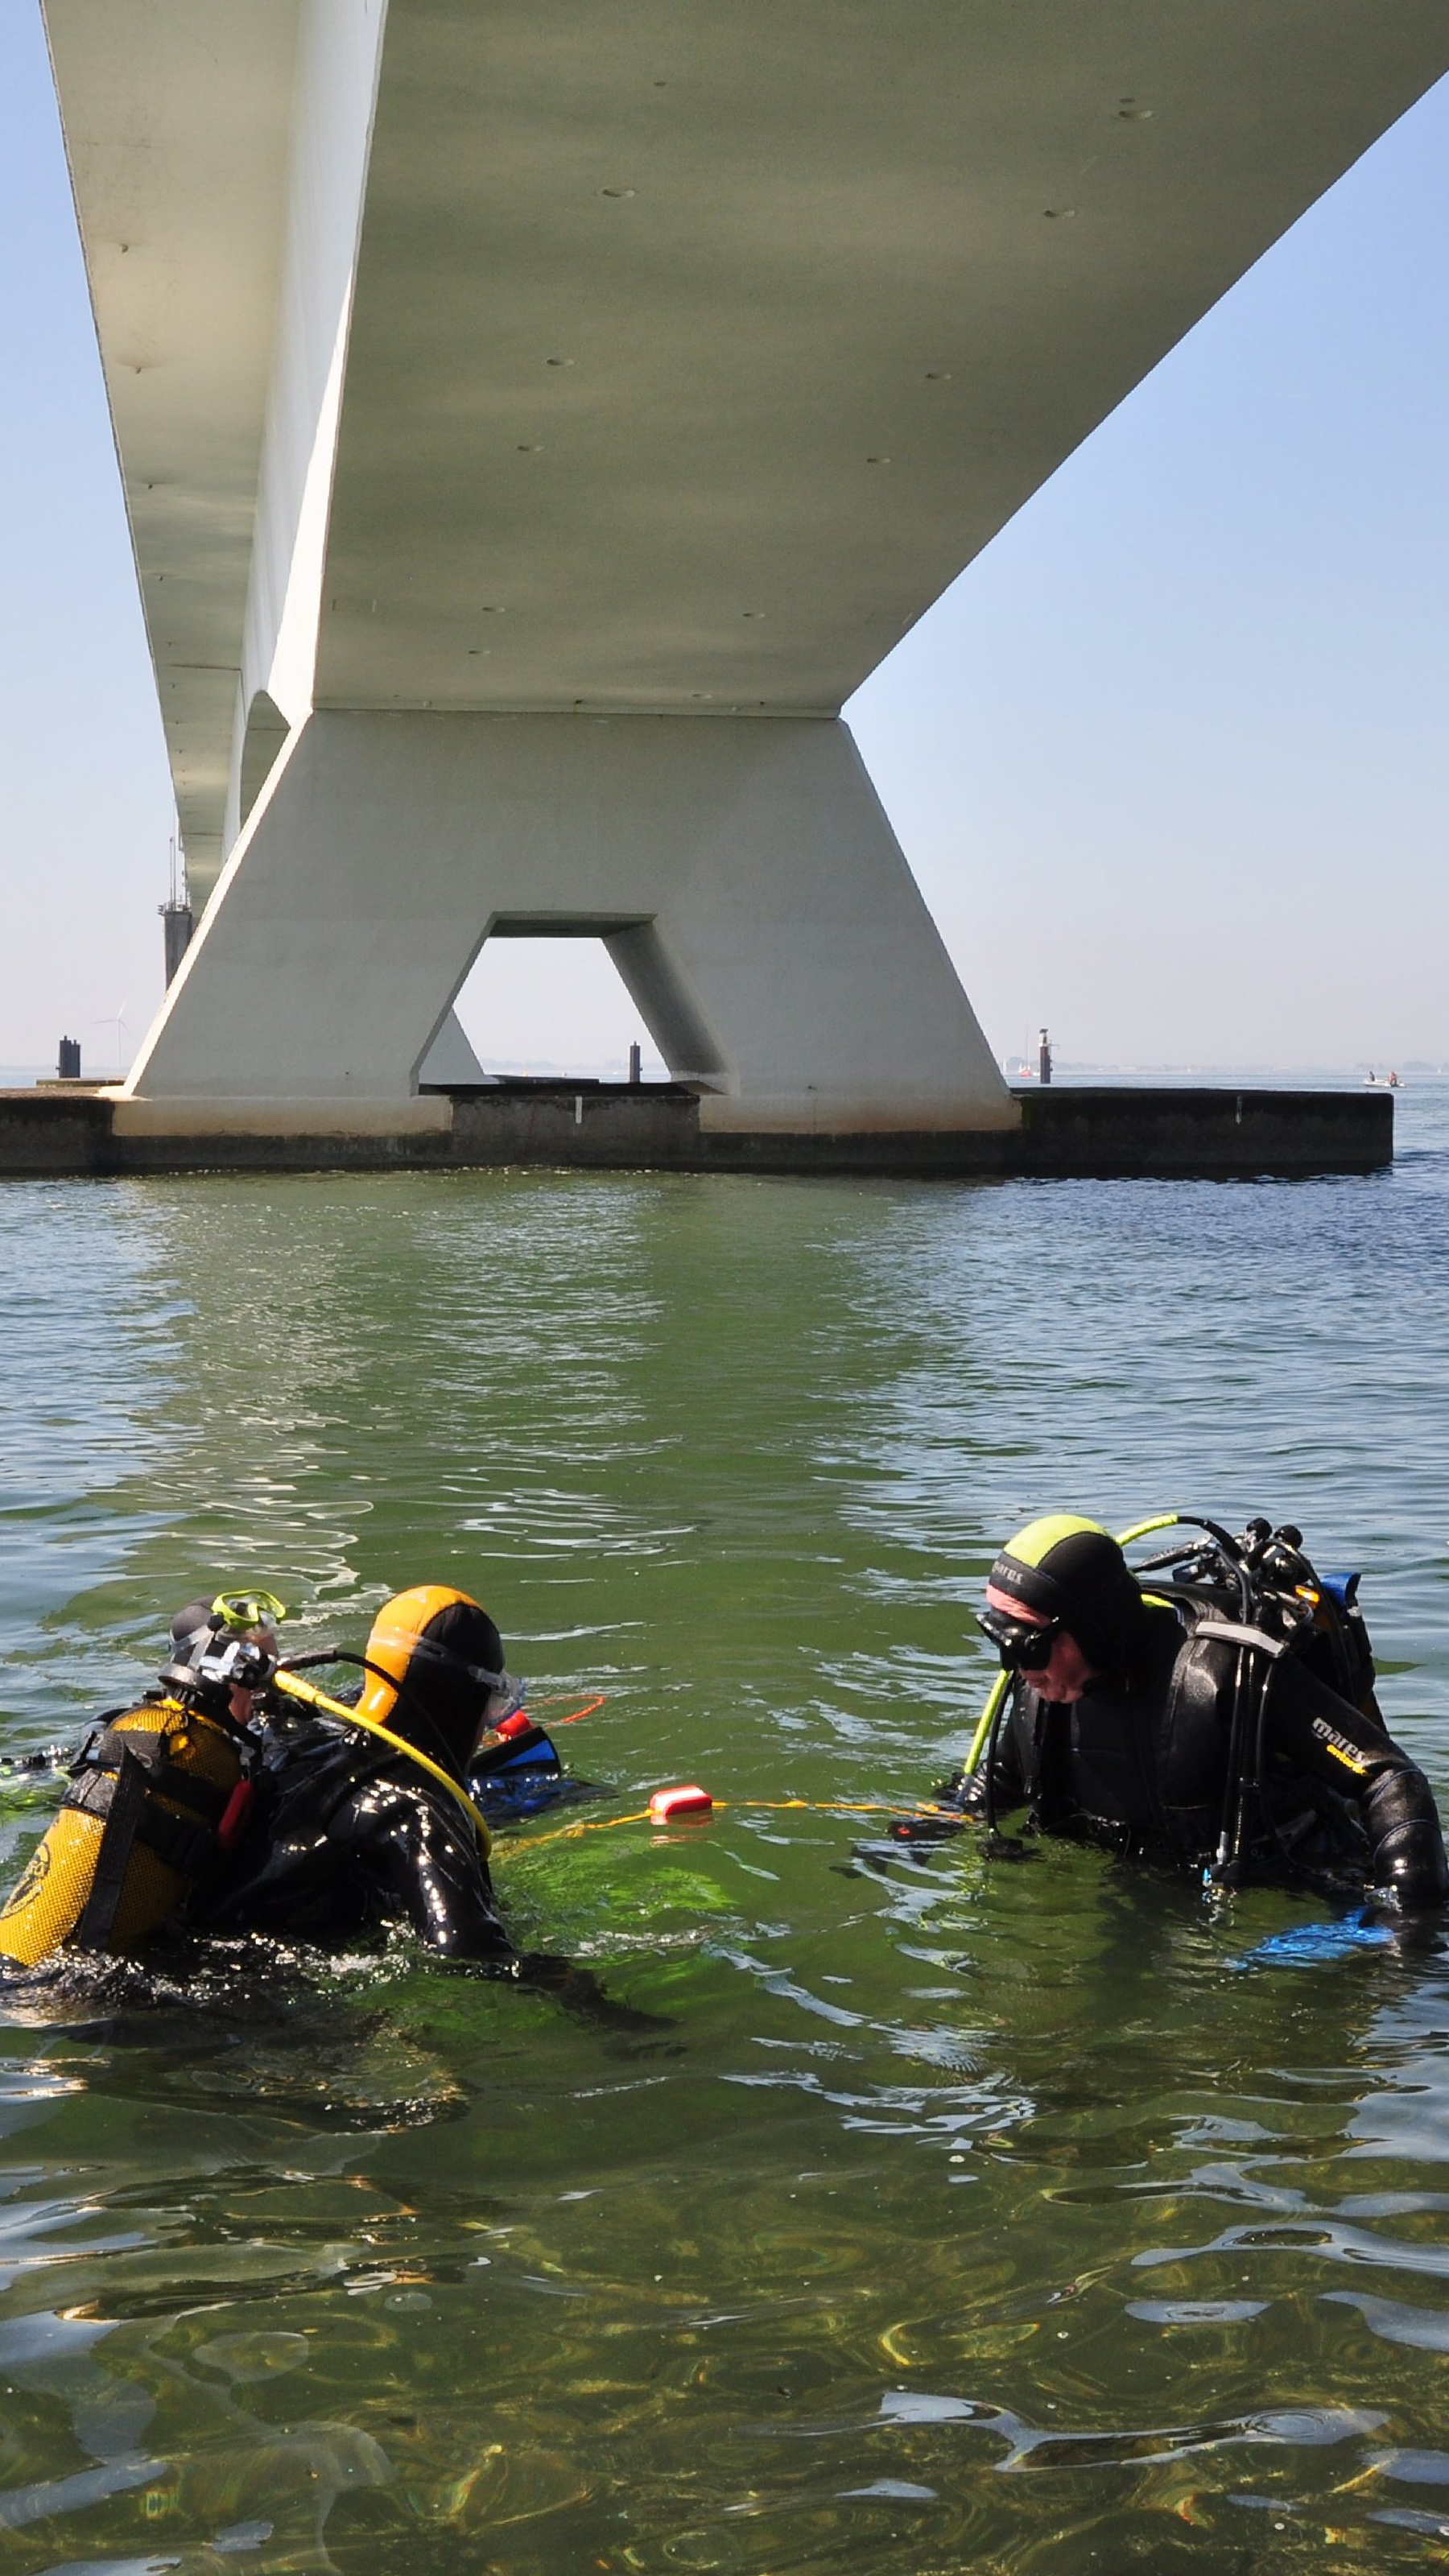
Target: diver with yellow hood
362,1815
237,1795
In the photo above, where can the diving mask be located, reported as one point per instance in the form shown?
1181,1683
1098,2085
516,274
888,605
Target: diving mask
237,1612
1024,1645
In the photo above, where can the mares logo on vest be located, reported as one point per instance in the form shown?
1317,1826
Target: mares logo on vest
1350,1755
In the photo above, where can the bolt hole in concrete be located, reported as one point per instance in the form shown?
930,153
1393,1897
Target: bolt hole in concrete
554,1006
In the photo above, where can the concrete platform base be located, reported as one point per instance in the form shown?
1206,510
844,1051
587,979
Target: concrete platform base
740,871
1104,1134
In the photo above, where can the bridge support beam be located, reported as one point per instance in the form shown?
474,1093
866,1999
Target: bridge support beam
739,869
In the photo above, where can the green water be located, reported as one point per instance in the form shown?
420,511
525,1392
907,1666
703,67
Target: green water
1010,2215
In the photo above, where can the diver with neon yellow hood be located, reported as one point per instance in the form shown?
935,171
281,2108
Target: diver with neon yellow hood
1213,1706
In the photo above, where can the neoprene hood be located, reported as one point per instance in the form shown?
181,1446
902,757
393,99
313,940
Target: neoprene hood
445,1657
1073,1570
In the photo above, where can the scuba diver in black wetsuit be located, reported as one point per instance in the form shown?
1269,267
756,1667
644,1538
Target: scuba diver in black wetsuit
350,1831
1225,1718
238,1797
362,1817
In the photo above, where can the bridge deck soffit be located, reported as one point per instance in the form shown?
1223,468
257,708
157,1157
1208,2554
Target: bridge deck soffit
693,351
177,122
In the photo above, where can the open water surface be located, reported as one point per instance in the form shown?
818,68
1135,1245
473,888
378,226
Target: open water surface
1025,2216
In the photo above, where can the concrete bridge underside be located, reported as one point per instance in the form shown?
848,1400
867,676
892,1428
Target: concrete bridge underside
536,418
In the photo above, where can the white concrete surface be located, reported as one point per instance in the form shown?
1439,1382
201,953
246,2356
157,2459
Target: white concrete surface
279,1115
177,124
450,1058
339,43
742,873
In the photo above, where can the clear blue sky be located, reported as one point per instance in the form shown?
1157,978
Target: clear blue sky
1170,761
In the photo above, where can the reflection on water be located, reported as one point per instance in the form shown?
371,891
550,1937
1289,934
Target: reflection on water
1027,2214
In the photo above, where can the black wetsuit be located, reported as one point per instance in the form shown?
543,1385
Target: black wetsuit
1141,1762
346,1837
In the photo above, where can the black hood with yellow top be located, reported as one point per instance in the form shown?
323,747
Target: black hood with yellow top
1072,1569
444,1657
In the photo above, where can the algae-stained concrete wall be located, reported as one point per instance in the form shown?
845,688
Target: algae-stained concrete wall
1127,1134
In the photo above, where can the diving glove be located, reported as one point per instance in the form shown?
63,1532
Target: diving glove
1408,1848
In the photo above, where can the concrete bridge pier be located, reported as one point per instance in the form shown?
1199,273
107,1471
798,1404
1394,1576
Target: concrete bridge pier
740,871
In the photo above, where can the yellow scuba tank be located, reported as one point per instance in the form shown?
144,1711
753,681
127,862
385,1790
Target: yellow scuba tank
157,1790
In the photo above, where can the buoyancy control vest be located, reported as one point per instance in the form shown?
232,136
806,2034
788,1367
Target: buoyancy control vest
1141,1755
157,1791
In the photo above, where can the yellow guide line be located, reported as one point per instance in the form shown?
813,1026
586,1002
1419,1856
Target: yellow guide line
754,1806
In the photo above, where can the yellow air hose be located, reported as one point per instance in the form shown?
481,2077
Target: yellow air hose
994,1698
294,1687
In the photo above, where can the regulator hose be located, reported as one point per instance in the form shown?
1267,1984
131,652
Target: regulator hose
407,1698
293,1687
